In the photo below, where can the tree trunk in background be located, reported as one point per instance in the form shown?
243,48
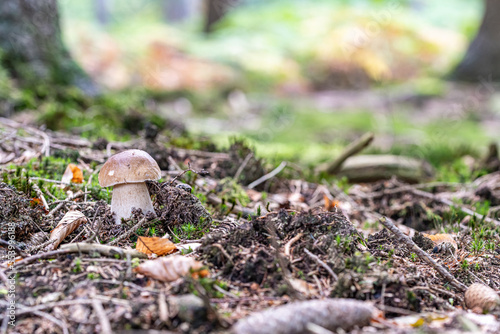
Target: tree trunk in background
482,60
31,47
175,10
215,10
102,11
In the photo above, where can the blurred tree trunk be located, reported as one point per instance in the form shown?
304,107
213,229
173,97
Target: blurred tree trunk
215,11
31,47
102,11
482,60
175,10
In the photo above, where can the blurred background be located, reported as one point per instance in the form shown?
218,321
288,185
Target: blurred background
298,80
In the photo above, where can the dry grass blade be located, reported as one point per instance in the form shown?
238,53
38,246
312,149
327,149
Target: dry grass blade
66,226
331,314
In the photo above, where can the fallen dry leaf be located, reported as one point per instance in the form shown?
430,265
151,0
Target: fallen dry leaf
481,298
171,268
440,238
72,174
155,245
70,222
303,287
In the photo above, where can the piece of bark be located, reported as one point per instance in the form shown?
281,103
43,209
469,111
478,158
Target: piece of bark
369,168
293,318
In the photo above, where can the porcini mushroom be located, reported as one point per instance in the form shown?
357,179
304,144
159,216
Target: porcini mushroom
127,172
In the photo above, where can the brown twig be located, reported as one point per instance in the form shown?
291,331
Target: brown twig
421,254
451,204
282,263
244,212
129,232
352,149
70,198
45,255
103,318
39,193
291,242
223,251
8,245
102,249
242,166
316,259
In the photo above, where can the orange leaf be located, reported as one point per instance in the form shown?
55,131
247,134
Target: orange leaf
35,202
329,203
155,245
440,238
72,174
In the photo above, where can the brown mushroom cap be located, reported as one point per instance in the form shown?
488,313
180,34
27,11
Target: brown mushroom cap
132,166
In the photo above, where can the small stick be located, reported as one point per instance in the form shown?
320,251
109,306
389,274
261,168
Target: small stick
46,243
39,194
4,278
41,256
245,213
52,319
291,242
421,254
224,252
172,161
451,204
103,318
321,263
242,166
18,250
267,176
70,198
281,261
129,232
102,249
352,149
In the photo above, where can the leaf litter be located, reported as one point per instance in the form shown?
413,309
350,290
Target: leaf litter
301,241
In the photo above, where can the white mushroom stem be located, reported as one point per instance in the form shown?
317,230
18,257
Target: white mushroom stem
127,196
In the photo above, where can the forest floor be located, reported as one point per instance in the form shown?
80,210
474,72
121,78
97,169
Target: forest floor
263,240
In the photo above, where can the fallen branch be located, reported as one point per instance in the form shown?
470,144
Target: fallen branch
368,168
421,254
102,249
46,255
293,318
352,149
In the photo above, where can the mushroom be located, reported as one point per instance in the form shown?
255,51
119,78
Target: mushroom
127,172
